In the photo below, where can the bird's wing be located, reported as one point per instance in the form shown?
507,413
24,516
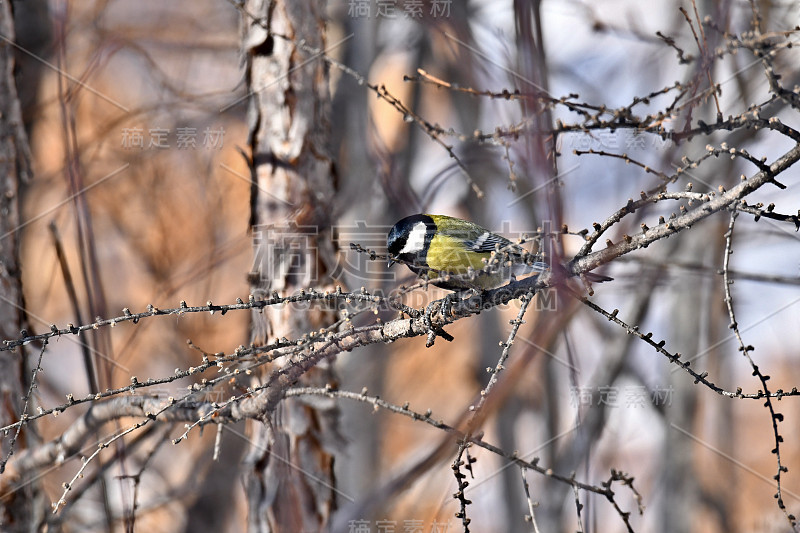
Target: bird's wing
488,241
472,236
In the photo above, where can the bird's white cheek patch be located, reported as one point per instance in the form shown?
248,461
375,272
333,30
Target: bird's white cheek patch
416,239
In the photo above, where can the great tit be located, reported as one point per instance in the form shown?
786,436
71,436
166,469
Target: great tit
456,254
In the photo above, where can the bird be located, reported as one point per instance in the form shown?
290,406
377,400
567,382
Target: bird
459,255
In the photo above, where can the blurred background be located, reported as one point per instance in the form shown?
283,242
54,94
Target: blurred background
137,117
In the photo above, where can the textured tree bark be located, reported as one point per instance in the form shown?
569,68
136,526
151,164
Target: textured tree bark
18,508
290,481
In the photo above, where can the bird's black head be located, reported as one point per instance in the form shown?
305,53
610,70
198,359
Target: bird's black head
410,238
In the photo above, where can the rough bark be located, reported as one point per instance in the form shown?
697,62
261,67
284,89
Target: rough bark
18,508
290,482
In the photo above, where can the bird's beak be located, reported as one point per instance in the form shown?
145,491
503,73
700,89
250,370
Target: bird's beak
391,262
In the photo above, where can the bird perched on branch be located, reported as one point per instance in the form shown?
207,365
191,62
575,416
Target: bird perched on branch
459,255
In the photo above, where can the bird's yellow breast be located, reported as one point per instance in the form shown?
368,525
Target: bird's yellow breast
447,254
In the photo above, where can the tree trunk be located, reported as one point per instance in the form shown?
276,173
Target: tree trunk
19,508
290,483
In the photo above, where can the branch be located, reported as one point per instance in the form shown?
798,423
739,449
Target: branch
513,457
686,220
763,378
72,440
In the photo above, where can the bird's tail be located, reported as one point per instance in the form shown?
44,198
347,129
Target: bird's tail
539,267
596,278
521,270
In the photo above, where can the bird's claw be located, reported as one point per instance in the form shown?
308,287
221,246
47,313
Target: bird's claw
434,331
